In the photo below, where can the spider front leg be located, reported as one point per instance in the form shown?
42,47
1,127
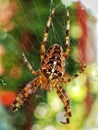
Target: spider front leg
65,99
42,52
29,66
24,93
67,38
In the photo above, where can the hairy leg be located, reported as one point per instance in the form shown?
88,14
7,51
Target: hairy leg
66,78
42,52
23,94
29,66
65,99
67,40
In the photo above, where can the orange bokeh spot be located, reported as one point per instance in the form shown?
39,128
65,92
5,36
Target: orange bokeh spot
7,97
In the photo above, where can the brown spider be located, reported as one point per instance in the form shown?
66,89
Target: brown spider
51,73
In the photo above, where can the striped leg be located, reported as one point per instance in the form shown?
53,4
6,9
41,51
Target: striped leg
65,99
66,53
63,79
29,66
42,52
23,94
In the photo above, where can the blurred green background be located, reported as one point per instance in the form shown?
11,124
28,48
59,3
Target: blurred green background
22,25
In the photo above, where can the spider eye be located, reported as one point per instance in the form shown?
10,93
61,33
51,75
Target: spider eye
57,46
56,52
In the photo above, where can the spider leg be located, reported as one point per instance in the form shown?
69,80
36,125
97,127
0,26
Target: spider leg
69,79
65,99
42,52
29,66
66,53
23,94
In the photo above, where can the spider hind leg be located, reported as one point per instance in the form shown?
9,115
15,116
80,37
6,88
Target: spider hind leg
65,99
23,94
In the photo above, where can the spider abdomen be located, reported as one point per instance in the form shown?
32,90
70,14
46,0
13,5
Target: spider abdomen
53,64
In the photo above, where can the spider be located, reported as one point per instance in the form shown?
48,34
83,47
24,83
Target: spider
52,71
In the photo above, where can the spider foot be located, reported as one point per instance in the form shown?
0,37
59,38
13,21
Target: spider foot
68,114
14,108
66,122
18,102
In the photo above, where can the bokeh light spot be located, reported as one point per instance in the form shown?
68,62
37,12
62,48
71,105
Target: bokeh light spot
49,127
60,117
76,31
54,101
42,111
36,127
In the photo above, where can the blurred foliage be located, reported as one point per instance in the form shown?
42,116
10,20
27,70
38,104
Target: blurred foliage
44,110
5,120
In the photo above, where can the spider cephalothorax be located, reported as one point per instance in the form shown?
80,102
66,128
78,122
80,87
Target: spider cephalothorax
51,73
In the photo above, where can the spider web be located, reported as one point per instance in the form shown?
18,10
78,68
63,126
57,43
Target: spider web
31,21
